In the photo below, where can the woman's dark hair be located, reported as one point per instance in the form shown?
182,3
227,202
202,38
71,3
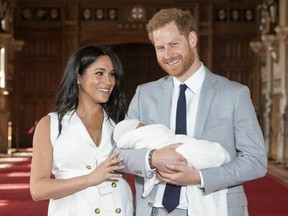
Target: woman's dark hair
67,95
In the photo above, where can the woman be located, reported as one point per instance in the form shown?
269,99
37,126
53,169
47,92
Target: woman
75,140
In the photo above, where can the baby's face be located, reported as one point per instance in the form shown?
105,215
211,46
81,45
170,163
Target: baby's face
140,125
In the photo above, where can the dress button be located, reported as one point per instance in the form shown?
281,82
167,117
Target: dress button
88,167
150,204
97,211
114,185
118,210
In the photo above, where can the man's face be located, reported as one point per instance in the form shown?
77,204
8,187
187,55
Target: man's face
174,51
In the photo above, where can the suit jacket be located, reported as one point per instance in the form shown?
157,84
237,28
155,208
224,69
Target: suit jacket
225,115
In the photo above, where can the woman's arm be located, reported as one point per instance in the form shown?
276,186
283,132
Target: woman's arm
43,186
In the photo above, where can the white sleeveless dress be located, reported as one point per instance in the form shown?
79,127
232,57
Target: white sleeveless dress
75,154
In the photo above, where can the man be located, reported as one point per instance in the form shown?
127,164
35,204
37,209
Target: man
218,110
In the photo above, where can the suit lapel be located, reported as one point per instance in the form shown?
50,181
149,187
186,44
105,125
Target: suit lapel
205,101
165,100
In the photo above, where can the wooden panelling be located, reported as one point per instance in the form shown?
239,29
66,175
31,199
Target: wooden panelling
138,70
38,72
234,59
53,30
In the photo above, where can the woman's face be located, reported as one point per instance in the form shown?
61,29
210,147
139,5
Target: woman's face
97,81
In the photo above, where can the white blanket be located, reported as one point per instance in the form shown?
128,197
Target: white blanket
199,153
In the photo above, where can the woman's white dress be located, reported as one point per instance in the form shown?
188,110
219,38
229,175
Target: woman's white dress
75,154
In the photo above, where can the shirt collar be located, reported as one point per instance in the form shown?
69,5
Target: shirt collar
194,82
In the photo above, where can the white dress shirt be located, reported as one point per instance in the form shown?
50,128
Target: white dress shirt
192,94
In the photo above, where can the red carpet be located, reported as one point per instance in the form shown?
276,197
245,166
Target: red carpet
15,196
266,196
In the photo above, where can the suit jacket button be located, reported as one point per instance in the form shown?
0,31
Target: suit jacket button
88,167
118,210
138,172
113,184
97,211
150,204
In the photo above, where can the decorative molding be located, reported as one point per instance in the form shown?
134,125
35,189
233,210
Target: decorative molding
235,15
40,13
100,13
137,14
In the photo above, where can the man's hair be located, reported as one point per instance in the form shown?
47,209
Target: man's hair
184,21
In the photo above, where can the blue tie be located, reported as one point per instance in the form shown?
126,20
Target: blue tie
172,192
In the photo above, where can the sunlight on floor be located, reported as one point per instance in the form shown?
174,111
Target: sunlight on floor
5,165
14,186
18,174
4,203
12,159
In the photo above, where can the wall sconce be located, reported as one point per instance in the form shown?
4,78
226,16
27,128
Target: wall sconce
256,46
6,37
6,40
271,44
282,32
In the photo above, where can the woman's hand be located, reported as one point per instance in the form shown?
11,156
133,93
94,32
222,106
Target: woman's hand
107,170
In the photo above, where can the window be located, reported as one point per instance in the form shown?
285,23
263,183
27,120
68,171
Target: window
2,68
